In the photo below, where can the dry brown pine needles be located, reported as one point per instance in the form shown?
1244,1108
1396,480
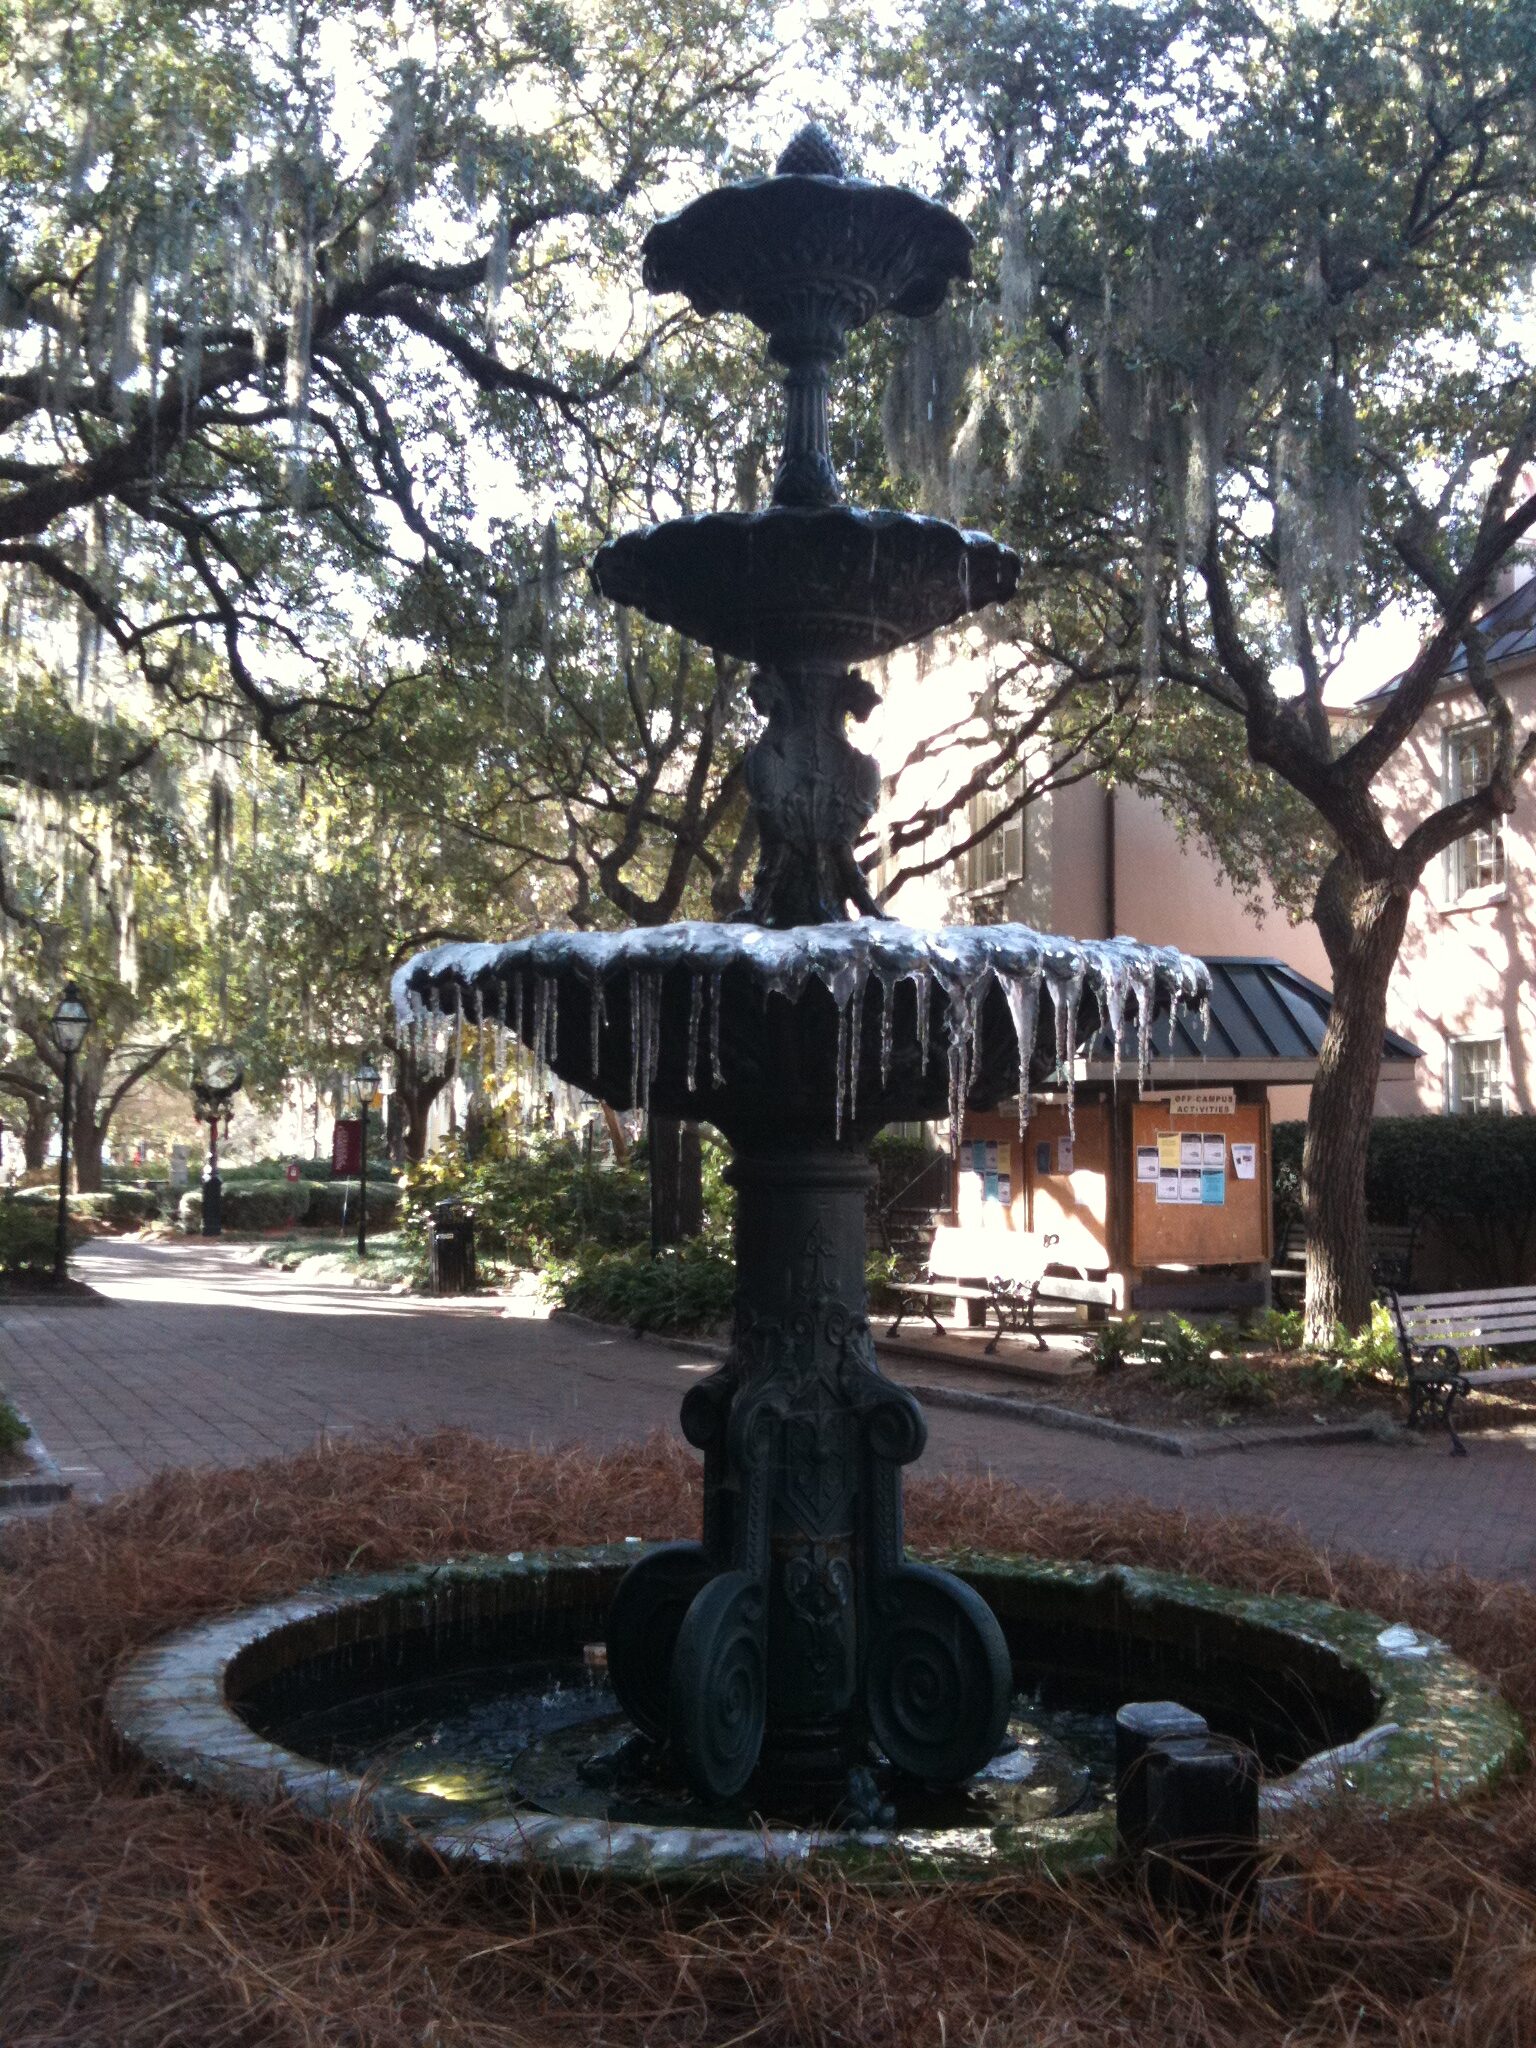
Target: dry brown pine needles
134,1916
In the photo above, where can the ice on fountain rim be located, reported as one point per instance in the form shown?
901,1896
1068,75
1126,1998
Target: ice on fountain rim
962,960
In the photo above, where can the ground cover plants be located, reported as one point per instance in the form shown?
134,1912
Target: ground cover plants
134,1915
13,1431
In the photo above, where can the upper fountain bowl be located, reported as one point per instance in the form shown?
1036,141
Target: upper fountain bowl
790,586
768,245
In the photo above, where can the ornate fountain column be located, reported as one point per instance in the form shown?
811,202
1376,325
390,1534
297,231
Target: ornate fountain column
796,1631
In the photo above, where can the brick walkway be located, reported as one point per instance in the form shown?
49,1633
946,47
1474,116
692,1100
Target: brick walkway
198,1357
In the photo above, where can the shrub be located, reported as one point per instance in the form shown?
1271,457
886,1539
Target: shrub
548,1200
689,1290
1185,1358
13,1430
1279,1329
123,1208
334,1203
1477,1172
1114,1343
251,1205
26,1240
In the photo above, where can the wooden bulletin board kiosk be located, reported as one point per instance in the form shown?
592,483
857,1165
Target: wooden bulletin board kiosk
1200,1183
1166,1194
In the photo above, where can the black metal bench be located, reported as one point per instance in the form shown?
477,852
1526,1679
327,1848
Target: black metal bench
1434,1330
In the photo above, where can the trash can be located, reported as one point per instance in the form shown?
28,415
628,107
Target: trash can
452,1239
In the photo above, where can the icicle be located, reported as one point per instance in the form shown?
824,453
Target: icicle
716,991
840,1090
599,1018
856,1044
887,1026
1066,997
921,982
1022,993
635,1033
695,1015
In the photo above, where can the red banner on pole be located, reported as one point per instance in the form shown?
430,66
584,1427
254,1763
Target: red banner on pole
346,1148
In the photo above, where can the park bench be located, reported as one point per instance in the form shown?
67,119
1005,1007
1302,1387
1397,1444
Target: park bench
1003,1269
1433,1331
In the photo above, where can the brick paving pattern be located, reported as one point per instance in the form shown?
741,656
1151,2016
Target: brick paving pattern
199,1357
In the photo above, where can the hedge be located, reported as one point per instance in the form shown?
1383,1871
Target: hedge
1475,1173
26,1239
251,1205
334,1203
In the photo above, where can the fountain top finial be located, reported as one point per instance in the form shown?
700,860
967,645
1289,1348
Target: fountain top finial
811,152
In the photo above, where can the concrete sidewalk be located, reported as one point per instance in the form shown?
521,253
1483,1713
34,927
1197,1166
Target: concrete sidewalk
199,1357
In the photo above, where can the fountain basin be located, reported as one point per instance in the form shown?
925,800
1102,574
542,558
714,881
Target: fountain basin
1337,1702
762,246
823,1029
790,586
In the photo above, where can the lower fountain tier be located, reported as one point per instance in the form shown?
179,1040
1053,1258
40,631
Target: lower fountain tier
789,586
778,1037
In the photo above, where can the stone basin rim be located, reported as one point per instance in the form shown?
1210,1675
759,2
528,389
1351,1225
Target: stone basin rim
1440,1731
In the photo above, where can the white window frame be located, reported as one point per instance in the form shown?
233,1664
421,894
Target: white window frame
999,859
1455,1103
1474,864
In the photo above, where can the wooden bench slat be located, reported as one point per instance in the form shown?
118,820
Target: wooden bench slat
1496,1374
1463,1296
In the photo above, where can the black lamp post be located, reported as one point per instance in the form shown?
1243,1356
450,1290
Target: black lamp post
69,1024
213,1089
366,1082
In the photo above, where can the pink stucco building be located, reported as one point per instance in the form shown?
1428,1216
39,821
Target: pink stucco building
1093,861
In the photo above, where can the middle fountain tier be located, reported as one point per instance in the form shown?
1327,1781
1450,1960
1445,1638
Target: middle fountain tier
794,1657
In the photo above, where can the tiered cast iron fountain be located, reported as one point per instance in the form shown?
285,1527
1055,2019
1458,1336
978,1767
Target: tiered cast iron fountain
795,1642
792,1676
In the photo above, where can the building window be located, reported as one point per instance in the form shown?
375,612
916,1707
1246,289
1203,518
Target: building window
998,859
1477,860
1475,1075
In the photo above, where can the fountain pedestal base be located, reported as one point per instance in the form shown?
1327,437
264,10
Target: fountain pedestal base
795,1640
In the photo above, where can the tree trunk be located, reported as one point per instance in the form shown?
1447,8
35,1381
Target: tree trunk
677,1181
416,1093
1363,955
86,1138
36,1130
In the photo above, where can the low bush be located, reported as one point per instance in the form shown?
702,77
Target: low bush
13,1430
1186,1359
26,1240
333,1203
1475,1173
549,1200
1115,1343
251,1205
689,1290
121,1208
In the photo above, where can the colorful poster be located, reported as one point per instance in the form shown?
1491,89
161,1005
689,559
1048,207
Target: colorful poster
1004,1157
1190,1178
1243,1161
991,1165
1168,1149
1191,1149
1063,1155
1146,1163
1213,1186
978,1155
1043,1156
1168,1184
989,1185
1215,1152
1005,1189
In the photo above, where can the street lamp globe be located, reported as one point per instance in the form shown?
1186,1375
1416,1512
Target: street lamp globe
71,1020
366,1082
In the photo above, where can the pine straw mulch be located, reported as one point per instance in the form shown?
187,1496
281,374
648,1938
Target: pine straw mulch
135,1916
